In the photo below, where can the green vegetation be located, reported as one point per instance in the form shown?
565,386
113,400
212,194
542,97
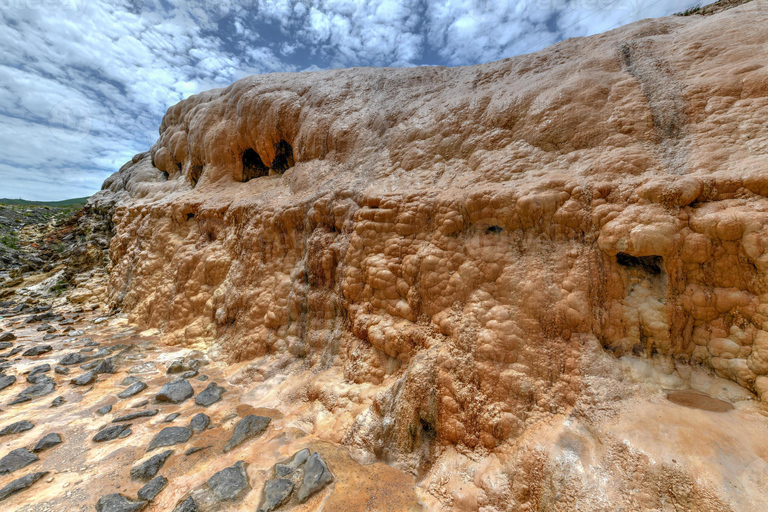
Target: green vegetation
690,11
67,202
10,240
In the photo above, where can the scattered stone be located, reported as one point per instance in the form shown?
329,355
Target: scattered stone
276,492
44,385
17,428
7,336
175,392
153,488
129,380
189,374
195,450
135,415
90,343
143,368
148,469
36,379
209,395
44,327
38,370
84,379
118,503
171,417
188,505
170,436
5,344
176,366
19,400
38,350
113,432
17,459
246,428
104,410
199,422
287,469
20,484
15,351
61,370
72,359
59,400
7,380
316,476
202,378
104,366
133,389
49,337
230,483
48,441
140,404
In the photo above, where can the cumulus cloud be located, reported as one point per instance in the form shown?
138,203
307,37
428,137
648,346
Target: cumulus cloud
84,83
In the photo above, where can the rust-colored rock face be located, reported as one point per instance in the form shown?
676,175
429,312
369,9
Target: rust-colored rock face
489,248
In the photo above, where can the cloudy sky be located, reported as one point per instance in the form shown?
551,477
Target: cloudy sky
84,83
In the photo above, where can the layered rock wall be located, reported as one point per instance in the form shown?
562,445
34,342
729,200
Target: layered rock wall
467,230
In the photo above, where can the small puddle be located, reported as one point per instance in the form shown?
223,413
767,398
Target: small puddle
697,400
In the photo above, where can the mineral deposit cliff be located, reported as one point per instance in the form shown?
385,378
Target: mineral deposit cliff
491,277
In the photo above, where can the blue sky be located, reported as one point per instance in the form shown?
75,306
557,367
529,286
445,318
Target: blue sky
84,83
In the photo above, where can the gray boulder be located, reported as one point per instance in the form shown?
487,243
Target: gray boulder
148,469
199,422
118,503
20,484
188,505
246,428
230,483
48,441
17,428
17,459
170,436
153,488
316,476
133,389
210,395
113,432
175,392
276,492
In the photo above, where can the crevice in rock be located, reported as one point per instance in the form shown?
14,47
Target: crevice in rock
253,166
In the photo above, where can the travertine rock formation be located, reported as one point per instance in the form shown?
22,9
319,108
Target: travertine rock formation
474,240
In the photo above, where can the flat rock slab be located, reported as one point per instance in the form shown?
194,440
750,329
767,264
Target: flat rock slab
170,436
104,410
84,379
171,417
149,468
276,492
7,336
44,385
188,505
230,483
113,432
199,422
118,503
133,389
48,441
7,380
153,488
72,359
210,395
17,428
37,370
17,459
38,350
175,392
61,370
135,415
20,484
246,428
316,476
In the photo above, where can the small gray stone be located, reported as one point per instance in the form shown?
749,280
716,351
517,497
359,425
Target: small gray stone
104,366
61,370
17,459
189,374
37,370
104,410
38,350
195,450
133,389
72,359
202,378
199,422
17,428
113,432
7,380
135,415
149,468
246,428
188,505
84,379
316,476
175,392
7,336
129,380
143,368
210,395
59,400
170,436
118,503
140,404
171,417
44,385
153,488
48,441
20,484
276,492
230,483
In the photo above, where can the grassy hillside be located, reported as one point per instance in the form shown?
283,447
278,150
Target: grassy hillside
67,202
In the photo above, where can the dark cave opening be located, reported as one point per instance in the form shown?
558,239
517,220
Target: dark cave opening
653,265
253,166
